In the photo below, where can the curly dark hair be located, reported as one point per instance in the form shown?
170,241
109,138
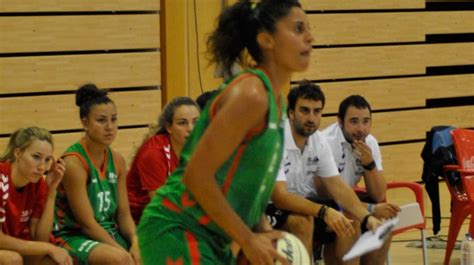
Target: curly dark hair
89,95
238,27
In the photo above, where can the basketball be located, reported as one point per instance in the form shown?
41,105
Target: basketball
288,246
293,249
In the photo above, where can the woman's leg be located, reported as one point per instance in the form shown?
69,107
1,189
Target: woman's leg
8,257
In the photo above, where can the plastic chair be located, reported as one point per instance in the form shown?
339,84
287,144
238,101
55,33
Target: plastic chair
460,182
418,192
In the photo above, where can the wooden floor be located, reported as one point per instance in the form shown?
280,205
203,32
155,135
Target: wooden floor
403,255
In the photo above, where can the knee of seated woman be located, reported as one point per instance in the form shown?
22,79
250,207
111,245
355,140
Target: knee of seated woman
109,255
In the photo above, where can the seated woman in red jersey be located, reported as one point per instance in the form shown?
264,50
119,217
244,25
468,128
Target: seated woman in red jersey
158,155
27,199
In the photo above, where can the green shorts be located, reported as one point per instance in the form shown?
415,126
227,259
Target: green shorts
166,236
80,246
178,246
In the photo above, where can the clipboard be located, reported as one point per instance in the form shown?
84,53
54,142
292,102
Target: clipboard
409,215
370,241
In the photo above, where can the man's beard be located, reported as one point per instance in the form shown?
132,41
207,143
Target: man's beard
346,136
300,129
349,138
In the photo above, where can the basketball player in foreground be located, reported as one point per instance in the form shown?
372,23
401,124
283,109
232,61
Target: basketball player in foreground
219,192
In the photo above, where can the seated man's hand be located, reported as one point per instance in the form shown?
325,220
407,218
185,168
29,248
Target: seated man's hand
385,210
373,223
338,223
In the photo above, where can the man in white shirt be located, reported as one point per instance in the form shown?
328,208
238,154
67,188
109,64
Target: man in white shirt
357,154
307,157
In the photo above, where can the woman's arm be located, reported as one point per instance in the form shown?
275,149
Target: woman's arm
263,225
41,228
238,111
124,217
34,248
75,185
24,247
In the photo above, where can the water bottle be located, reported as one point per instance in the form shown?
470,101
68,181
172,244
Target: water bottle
467,250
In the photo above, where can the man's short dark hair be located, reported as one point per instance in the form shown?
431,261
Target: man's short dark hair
202,99
355,100
306,90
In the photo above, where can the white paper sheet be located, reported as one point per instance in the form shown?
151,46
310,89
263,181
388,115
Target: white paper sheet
409,215
370,241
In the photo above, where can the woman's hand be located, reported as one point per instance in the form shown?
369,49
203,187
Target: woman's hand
259,249
55,174
60,255
135,253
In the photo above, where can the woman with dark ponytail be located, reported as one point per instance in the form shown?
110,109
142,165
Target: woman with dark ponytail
228,165
92,218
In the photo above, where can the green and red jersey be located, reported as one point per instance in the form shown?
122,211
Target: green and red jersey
101,191
246,178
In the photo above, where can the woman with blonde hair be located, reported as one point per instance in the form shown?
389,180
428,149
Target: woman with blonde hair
27,199
158,156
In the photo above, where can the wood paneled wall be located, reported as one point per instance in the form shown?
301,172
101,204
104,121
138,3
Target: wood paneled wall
402,56
399,54
49,48
186,68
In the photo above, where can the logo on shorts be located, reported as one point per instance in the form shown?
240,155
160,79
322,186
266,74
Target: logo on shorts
272,220
87,245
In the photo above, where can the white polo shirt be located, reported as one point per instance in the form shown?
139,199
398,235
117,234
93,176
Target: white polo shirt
347,161
299,169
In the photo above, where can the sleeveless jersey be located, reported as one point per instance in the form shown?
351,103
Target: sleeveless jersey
246,178
101,191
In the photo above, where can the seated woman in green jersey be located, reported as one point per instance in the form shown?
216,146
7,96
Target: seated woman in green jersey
27,199
158,156
228,165
92,217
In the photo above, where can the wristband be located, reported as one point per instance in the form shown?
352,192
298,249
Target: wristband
322,212
369,166
370,208
363,225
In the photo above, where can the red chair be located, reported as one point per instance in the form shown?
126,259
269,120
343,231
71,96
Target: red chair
462,192
418,192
